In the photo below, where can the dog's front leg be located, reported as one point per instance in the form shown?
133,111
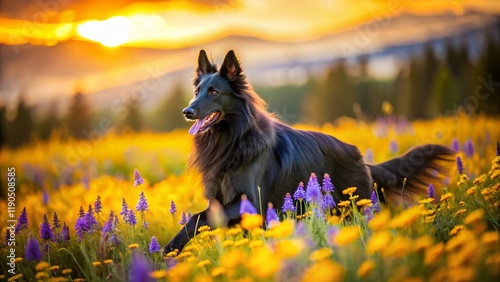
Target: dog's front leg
232,211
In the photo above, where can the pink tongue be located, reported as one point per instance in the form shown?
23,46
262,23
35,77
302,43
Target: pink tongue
196,126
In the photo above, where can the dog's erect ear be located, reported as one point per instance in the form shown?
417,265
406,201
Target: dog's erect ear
204,65
230,68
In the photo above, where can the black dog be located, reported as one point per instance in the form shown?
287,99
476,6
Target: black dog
240,146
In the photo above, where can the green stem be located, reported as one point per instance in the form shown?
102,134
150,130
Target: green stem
74,259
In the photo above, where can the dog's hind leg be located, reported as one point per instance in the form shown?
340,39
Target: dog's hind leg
232,211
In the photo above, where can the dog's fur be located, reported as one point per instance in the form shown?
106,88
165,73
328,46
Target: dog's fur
247,147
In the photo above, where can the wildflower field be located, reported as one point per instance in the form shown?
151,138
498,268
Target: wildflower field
100,210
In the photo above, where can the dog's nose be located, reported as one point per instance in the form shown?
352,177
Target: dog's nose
188,112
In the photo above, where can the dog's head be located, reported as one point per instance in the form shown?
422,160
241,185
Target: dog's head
213,92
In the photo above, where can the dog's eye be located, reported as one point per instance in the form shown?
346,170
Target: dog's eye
195,92
214,92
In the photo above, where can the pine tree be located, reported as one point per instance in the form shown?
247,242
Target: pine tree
79,117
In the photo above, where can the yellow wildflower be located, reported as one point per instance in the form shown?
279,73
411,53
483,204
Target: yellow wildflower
490,238
366,268
263,263
344,204
108,261
250,221
133,246
378,242
256,232
427,213
42,265
460,212
158,274
471,191
233,258
493,261
347,235
96,263
422,243
234,231
380,220
349,190
461,203
433,254
54,267
426,201
353,197
461,274
464,177
281,230
203,278
203,228
399,247
16,277
41,275
58,279
192,247
456,230
18,259
219,270
203,263
289,248
78,280
480,179
334,219
364,202
324,271
227,243
405,218
2,276
475,219
172,254
446,196
241,242
184,255
66,271
255,243
321,254
180,272
463,238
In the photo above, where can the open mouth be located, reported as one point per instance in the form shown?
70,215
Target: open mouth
203,124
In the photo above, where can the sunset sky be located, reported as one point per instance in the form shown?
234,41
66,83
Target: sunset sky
177,26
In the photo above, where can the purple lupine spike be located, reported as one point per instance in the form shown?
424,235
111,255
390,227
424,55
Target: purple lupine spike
89,217
140,268
124,212
132,220
153,245
81,212
430,191
455,145
173,207
460,165
22,221
327,203
313,191
45,230
137,178
65,232
98,204
271,215
142,205
288,205
375,203
327,184
300,193
108,226
81,227
32,250
469,148
56,223
184,219
246,206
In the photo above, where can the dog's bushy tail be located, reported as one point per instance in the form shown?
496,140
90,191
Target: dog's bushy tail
420,166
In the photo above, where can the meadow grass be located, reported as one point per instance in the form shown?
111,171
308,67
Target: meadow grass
449,234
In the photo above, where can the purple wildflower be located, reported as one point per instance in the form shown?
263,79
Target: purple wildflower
98,204
81,227
455,145
184,219
132,220
81,212
394,147
89,217
65,232
139,271
142,205
288,204
124,212
22,221
327,184
246,206
56,223
327,203
299,193
188,216
153,245
469,148
45,231
313,191
375,203
32,250
137,178
271,215
45,197
430,191
460,165
173,207
108,226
